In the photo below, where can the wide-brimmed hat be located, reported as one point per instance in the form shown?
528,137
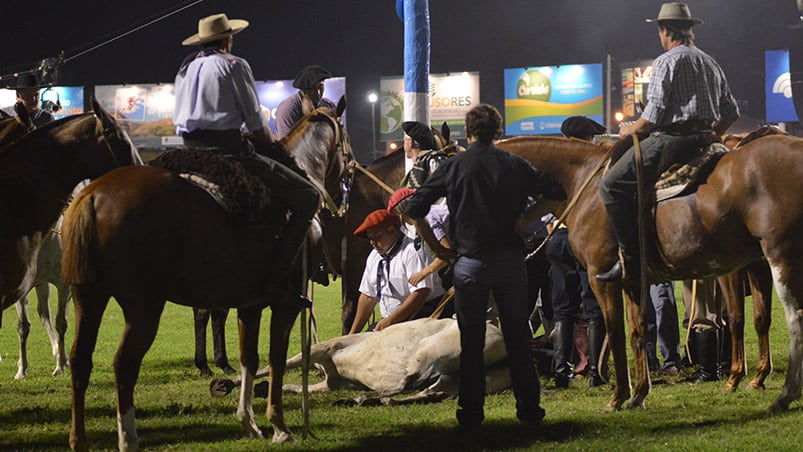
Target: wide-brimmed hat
27,81
310,76
399,196
421,133
675,11
580,127
214,27
379,217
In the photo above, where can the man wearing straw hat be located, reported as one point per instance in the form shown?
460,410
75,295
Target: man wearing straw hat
688,96
216,98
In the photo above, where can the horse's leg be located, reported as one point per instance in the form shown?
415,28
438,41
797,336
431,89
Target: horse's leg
761,287
61,327
281,323
733,293
23,329
141,325
248,320
790,291
219,340
89,307
43,309
638,343
201,320
609,297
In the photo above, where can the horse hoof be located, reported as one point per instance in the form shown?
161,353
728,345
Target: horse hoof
205,371
228,370
220,387
20,376
776,408
631,405
58,372
280,437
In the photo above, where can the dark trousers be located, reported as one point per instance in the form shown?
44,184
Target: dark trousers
570,287
474,279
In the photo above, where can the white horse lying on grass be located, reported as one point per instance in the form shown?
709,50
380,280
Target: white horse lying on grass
420,355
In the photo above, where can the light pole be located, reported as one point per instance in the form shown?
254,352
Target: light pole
372,98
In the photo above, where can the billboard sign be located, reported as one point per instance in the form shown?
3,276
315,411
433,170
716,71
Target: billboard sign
539,99
70,98
778,86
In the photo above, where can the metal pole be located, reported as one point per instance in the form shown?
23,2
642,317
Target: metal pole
373,128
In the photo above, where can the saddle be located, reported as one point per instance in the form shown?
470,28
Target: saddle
683,178
239,192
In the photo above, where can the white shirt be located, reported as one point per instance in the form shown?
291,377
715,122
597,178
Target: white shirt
403,264
217,92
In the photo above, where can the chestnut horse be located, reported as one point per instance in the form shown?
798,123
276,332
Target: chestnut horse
37,174
748,207
145,235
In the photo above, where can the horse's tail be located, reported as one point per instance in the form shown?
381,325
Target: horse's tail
78,239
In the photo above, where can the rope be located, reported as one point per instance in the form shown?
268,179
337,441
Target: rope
691,318
447,297
373,177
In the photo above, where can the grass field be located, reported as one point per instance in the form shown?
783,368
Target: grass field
175,411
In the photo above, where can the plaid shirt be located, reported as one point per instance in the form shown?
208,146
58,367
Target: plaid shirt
687,84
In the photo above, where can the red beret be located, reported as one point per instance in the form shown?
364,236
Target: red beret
379,217
399,196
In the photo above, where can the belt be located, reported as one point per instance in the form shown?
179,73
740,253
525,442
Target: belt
689,127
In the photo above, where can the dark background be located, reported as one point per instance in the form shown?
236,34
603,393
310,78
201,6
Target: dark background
363,40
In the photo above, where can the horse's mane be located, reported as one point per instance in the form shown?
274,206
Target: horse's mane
311,117
762,131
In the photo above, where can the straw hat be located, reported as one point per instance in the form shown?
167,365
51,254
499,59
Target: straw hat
214,27
675,11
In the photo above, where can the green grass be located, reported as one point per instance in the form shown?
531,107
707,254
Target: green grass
175,411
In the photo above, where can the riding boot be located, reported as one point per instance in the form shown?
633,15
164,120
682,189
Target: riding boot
563,344
596,337
724,351
707,356
625,229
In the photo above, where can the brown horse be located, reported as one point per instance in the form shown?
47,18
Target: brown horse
748,207
145,235
37,174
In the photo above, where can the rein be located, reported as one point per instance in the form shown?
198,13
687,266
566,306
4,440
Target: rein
344,147
572,203
372,176
104,131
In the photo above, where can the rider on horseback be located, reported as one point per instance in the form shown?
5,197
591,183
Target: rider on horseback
688,96
215,97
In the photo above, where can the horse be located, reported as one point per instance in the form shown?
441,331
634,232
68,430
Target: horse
37,174
746,209
145,235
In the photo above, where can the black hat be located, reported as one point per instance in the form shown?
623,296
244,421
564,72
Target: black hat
27,81
421,133
310,76
580,127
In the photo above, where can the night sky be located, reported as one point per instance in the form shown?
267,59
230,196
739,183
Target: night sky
363,40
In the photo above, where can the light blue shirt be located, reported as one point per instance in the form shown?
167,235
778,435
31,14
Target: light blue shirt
217,92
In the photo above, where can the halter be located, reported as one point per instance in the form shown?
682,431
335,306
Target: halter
344,148
105,133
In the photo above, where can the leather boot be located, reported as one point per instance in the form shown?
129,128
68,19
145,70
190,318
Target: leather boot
596,336
706,354
625,229
724,351
563,344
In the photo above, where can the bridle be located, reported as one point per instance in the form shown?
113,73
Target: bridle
343,148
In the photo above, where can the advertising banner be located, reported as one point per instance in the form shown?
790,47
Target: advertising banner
635,81
146,110
451,96
539,99
778,84
69,99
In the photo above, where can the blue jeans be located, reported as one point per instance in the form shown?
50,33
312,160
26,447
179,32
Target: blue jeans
474,279
662,324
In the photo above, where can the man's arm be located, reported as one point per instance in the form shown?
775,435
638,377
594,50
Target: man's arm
426,234
639,126
724,123
410,306
365,306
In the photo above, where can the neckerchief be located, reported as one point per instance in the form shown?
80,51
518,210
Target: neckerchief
201,53
385,262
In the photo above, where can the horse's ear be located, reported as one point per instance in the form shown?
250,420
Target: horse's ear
22,114
445,131
104,116
341,106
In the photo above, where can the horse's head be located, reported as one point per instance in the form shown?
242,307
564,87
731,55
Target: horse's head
321,147
114,137
11,129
